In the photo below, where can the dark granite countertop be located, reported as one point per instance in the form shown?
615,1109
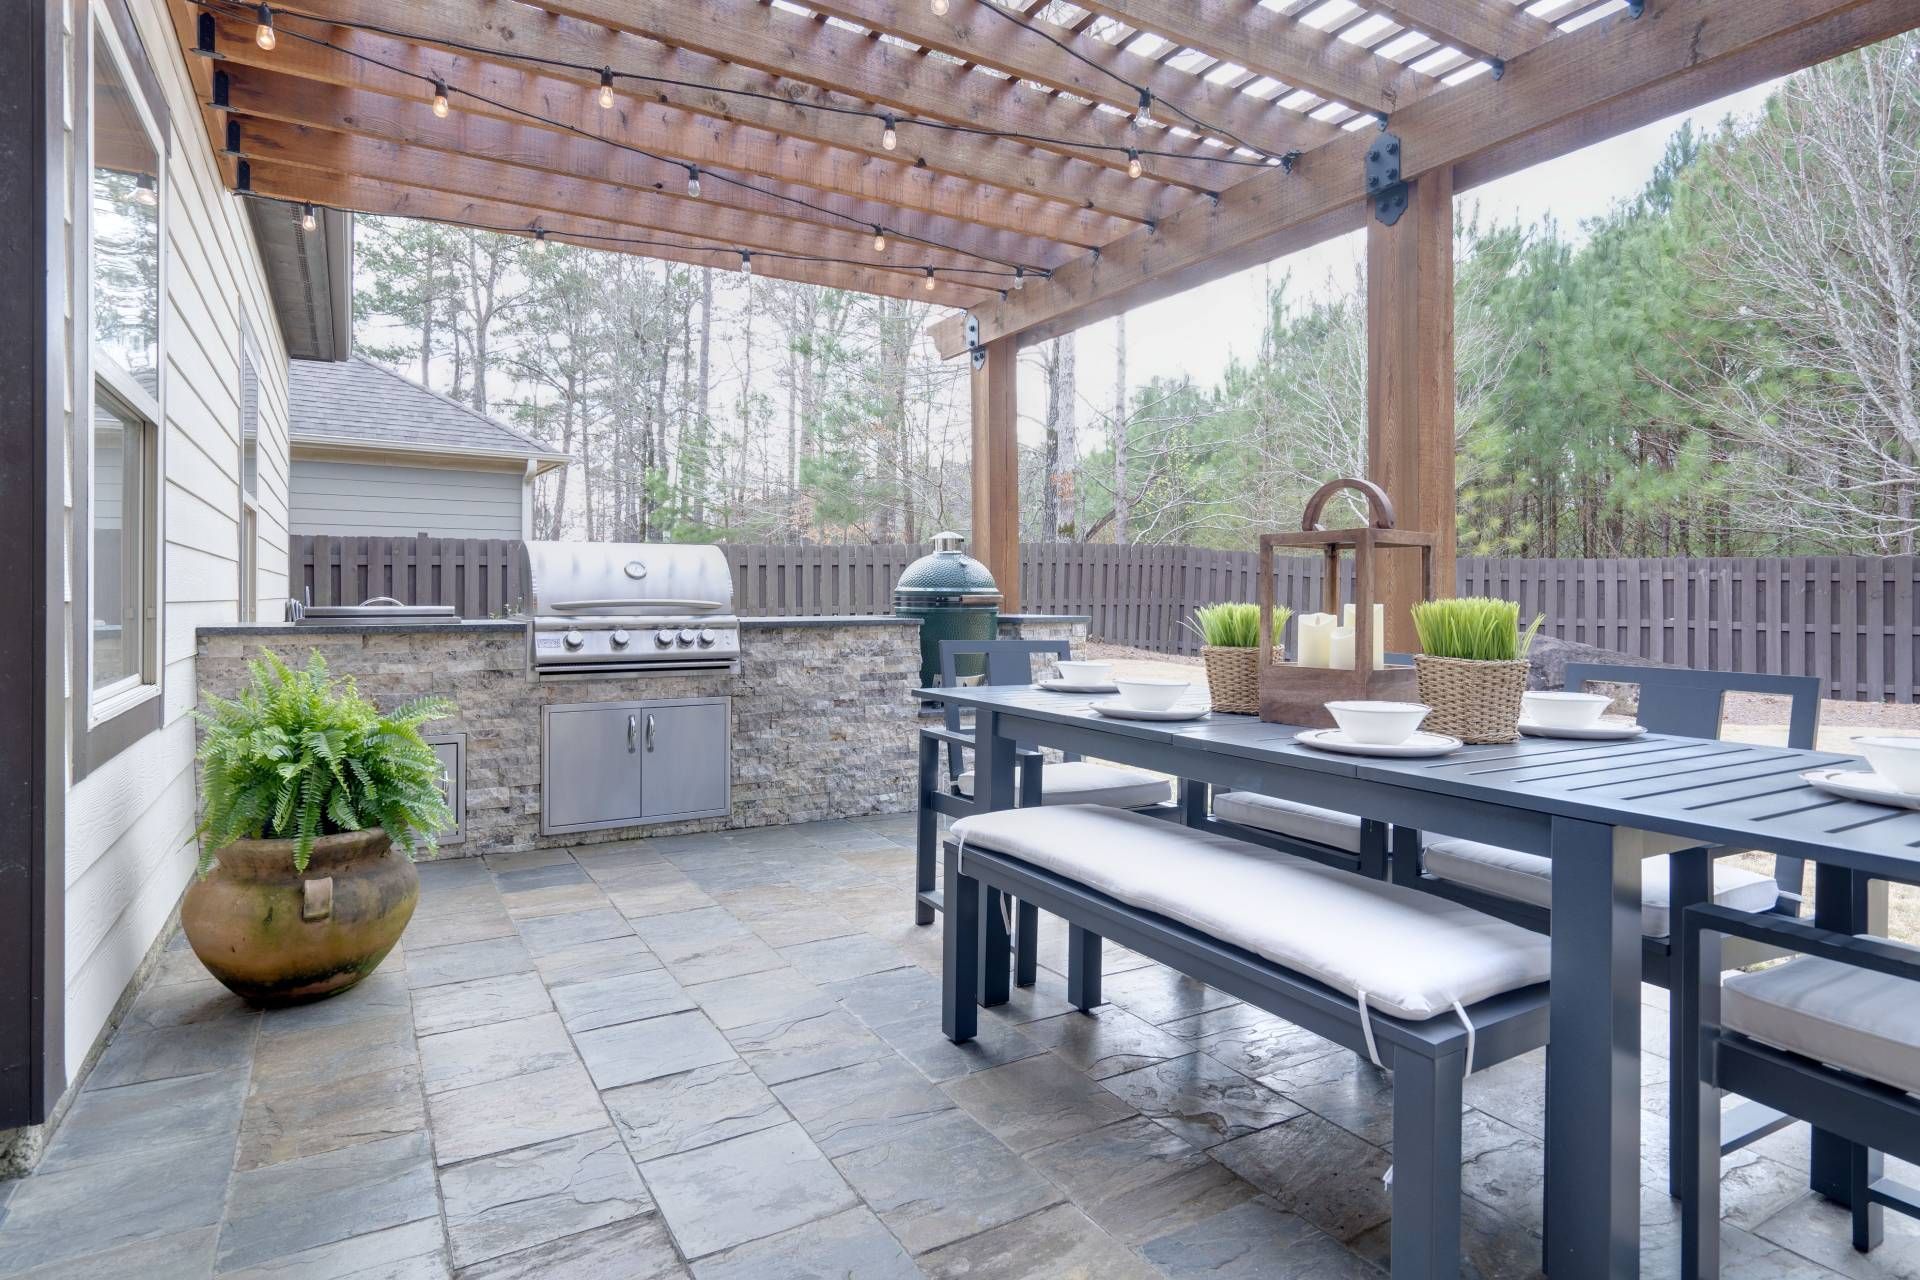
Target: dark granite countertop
491,625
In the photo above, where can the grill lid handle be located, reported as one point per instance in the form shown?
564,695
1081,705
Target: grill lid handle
654,604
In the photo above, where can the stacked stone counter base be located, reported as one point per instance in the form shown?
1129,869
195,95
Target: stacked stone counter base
824,721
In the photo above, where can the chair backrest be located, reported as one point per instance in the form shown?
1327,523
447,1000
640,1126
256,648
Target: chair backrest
1691,703
1008,662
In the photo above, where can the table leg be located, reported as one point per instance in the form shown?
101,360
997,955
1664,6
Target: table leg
1690,882
926,842
1842,901
1593,1121
995,786
1193,803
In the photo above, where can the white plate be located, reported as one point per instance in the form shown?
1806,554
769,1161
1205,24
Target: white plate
1067,686
1420,744
1861,784
1121,711
1610,729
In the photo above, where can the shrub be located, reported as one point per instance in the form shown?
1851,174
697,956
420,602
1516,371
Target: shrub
299,755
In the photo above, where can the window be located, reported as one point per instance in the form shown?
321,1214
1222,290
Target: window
117,460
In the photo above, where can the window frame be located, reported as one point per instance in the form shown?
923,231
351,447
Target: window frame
106,721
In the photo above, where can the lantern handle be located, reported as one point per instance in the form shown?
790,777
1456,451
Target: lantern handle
1379,506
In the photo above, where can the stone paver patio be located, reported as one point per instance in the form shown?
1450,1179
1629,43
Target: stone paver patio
719,1056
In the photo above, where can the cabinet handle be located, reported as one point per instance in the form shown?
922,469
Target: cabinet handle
649,730
633,727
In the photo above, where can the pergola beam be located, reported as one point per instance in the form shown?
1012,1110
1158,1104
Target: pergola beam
848,146
1485,30
969,30
1277,46
400,198
1616,70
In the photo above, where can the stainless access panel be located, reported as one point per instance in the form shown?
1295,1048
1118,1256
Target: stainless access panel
451,748
686,769
590,759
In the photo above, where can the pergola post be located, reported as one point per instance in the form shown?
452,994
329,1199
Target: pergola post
996,468
1410,388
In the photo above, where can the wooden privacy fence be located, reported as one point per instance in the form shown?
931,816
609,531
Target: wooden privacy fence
1852,620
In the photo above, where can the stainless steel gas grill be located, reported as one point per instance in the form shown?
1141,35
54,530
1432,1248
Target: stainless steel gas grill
631,606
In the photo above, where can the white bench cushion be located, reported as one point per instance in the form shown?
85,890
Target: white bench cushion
1863,1021
1528,877
1414,954
1290,818
1083,782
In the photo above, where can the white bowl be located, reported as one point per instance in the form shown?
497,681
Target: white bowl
1150,693
1380,724
1556,709
1085,672
1895,758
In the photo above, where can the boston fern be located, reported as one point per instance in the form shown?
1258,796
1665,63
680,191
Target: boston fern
300,755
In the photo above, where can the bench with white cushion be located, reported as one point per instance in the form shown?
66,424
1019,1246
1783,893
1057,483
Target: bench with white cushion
1085,782
1326,835
1425,987
1832,1036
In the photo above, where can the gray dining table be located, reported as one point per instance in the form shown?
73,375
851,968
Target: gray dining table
1598,810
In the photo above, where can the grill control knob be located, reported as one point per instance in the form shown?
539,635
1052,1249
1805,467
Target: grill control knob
573,639
664,639
619,638
686,635
707,637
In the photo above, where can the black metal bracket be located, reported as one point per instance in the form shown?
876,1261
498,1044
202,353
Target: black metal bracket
977,352
1382,172
222,91
232,146
206,42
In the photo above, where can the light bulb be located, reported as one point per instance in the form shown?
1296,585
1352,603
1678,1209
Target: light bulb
939,8
928,286
1134,169
746,263
606,88
263,34
1143,118
1019,278
308,220
539,240
879,240
693,182
889,136
440,105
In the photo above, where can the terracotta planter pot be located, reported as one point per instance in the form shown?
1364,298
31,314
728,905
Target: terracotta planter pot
277,937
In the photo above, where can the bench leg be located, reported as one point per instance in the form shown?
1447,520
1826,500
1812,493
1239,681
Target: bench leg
926,841
1869,1219
959,958
1689,883
1026,944
993,948
1083,968
1426,1167
1696,1155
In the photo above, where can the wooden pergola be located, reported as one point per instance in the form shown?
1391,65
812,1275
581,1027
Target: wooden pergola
1035,164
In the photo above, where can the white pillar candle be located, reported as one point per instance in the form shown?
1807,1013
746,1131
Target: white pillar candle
1313,634
1379,636
1342,649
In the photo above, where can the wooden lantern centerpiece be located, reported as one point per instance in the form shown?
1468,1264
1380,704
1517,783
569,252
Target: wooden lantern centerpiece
1294,694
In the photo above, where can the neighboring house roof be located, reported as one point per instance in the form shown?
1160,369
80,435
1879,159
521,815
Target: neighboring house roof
356,404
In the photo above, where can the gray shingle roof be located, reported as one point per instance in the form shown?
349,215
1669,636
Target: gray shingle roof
356,402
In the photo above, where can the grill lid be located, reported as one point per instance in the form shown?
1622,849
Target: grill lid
628,579
948,576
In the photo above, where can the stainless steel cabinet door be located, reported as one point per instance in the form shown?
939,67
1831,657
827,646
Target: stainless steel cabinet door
591,762
685,761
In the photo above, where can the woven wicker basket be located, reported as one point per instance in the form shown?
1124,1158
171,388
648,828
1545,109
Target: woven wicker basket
1233,678
1472,700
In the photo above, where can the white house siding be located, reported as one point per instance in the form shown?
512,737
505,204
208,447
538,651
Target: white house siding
376,499
130,822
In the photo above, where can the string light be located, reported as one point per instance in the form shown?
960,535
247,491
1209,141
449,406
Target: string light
928,286
1134,167
939,8
879,240
606,88
440,104
263,33
1143,118
746,263
889,135
693,182
1019,278
146,191
540,240
308,219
